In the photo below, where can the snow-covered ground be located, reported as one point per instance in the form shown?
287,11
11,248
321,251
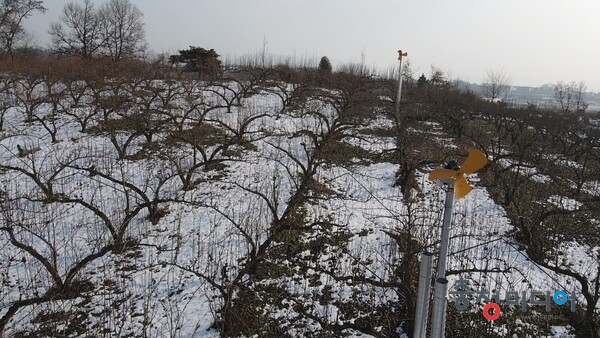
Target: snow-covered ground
166,282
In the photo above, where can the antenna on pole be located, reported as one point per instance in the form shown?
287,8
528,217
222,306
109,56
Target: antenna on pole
400,55
452,176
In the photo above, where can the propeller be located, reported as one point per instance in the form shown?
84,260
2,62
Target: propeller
475,161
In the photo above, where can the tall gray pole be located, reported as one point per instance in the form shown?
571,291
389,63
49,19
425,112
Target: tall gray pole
423,294
447,221
399,96
438,317
438,321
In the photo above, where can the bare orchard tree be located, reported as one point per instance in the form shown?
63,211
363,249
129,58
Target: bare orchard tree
242,128
408,72
563,96
7,99
496,85
123,29
199,147
34,236
580,104
191,106
79,32
570,96
36,228
29,95
437,78
12,14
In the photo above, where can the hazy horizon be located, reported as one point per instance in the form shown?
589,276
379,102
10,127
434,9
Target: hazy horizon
534,42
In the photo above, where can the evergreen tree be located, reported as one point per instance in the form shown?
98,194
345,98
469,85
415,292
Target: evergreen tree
422,81
325,65
198,59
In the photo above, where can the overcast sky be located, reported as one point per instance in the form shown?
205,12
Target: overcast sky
533,41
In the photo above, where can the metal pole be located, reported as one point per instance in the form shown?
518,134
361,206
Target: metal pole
438,320
399,96
423,294
441,271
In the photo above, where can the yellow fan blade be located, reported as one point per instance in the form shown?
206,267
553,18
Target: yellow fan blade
475,161
461,188
442,173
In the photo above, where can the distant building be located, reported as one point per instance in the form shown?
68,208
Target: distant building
542,97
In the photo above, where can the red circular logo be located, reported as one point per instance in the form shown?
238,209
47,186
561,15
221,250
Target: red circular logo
486,311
